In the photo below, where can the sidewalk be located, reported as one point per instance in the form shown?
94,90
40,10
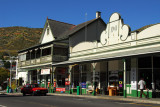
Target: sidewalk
120,98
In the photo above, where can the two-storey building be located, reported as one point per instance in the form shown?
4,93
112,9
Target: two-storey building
100,58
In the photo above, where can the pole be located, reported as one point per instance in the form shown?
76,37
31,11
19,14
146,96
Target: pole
94,87
16,73
10,71
124,91
54,88
70,78
153,86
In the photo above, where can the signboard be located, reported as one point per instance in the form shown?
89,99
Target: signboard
67,83
133,79
83,84
45,71
60,89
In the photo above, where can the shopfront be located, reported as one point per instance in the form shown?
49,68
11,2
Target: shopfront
119,59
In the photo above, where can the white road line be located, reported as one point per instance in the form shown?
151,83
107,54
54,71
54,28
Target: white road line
2,106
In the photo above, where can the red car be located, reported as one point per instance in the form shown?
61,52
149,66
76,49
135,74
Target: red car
33,89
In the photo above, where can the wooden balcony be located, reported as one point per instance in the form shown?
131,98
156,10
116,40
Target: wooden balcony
42,60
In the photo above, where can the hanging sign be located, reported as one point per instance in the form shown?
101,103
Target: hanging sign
45,71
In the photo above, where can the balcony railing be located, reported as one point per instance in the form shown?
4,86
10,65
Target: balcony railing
42,60
58,58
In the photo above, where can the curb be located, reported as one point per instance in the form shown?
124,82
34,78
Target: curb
137,100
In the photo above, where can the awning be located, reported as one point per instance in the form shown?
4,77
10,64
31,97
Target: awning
108,56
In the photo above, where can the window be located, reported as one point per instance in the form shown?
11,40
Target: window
47,31
46,51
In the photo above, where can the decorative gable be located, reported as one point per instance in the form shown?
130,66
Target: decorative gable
47,35
116,32
54,30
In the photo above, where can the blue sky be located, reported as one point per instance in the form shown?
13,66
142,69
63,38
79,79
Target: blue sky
33,13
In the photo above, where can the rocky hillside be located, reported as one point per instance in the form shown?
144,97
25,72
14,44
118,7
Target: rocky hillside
13,39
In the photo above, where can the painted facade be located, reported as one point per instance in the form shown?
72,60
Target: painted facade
103,57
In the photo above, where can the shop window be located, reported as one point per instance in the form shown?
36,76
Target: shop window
147,75
144,62
156,62
156,78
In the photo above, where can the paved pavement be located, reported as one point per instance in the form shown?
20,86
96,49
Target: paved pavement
120,98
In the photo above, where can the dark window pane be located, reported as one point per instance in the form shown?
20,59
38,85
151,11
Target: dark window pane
156,62
144,62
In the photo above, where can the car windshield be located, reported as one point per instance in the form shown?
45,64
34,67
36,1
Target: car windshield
34,85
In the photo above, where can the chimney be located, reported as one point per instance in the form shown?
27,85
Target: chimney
98,14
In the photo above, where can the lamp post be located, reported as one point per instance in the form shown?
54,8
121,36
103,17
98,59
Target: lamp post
11,59
10,72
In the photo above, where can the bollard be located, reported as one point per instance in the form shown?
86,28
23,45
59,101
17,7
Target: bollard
7,89
78,90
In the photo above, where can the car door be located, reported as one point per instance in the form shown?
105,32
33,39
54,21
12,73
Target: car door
27,89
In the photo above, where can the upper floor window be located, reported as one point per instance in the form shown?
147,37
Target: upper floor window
47,31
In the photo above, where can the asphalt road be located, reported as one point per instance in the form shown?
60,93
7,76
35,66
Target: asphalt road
61,101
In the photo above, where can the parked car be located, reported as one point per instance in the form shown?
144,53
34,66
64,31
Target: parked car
33,89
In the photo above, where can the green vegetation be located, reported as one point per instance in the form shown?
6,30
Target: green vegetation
13,39
4,74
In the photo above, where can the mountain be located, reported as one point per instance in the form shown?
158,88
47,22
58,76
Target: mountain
13,39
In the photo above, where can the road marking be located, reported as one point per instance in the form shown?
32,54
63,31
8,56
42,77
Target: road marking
80,99
121,103
2,106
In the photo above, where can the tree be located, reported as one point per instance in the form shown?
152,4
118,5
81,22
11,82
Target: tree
7,64
4,74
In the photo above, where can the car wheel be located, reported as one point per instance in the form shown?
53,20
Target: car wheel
44,94
33,94
24,94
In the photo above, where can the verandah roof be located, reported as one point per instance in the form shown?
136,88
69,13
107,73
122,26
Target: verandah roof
106,56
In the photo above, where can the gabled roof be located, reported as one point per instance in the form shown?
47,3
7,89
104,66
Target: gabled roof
79,27
58,28
63,30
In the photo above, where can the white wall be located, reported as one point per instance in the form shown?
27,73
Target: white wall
47,37
149,32
23,75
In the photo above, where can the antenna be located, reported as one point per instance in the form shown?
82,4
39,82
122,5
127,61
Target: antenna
85,26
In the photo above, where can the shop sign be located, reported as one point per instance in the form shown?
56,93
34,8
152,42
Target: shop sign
83,84
133,79
60,89
45,71
67,83
120,84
